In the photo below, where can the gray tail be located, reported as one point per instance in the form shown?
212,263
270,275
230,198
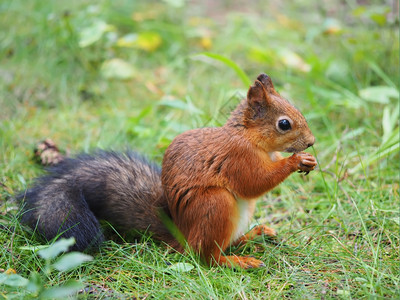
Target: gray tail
124,189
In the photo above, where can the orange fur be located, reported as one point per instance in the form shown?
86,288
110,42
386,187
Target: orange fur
254,232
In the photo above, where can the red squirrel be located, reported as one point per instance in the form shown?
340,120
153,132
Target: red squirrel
208,185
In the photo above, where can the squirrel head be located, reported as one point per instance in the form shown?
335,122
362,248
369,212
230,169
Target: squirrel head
272,122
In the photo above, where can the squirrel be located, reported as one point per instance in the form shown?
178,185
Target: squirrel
207,187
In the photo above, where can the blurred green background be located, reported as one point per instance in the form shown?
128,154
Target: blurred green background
134,74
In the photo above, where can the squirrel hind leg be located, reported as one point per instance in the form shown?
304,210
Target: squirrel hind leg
60,211
208,225
207,222
234,261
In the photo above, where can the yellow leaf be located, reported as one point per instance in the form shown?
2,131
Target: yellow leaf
206,43
148,41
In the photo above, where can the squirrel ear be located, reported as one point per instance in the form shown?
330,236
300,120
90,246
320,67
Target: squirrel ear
267,83
257,95
257,99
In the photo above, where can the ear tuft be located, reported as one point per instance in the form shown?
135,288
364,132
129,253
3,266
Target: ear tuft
263,77
267,83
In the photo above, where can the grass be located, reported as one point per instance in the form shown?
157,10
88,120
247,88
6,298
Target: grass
112,75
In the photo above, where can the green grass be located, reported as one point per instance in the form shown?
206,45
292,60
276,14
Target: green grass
338,62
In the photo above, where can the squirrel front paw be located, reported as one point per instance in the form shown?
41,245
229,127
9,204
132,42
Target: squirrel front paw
305,162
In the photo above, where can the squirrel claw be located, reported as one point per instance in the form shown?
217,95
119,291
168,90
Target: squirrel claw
303,172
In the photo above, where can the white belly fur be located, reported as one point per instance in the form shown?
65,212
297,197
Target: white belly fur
246,207
245,211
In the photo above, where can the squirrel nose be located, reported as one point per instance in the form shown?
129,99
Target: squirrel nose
311,142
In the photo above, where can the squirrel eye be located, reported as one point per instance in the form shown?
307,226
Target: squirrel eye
284,125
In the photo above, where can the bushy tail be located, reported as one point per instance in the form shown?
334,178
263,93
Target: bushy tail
124,189
54,208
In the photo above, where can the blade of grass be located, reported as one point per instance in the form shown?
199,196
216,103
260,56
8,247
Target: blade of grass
231,64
